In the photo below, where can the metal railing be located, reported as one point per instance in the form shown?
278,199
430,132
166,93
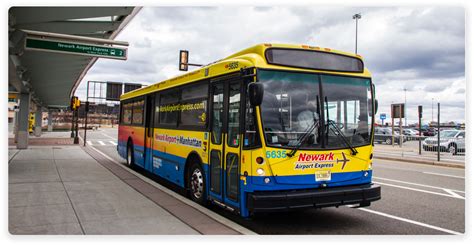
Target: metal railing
450,149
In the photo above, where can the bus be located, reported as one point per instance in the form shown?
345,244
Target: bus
273,127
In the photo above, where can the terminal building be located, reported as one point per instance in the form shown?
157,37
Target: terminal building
42,80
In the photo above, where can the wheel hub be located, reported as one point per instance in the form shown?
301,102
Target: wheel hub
197,183
129,156
452,150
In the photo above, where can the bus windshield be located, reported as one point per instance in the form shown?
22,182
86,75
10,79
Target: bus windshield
293,102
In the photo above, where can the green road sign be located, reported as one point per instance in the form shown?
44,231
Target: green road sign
66,47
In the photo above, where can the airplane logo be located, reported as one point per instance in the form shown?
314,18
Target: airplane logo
344,161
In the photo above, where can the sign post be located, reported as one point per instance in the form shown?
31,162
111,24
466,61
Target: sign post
86,110
438,132
397,111
383,116
420,115
400,124
72,123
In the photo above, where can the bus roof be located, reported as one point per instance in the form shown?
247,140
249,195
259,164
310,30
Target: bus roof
250,57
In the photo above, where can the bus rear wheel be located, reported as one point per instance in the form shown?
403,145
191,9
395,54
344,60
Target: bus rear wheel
197,184
130,158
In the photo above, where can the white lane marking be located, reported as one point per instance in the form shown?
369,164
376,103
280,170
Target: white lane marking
113,142
411,221
108,136
453,193
185,200
89,142
420,190
447,175
101,142
411,183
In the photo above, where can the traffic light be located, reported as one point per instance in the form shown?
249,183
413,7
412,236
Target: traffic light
183,60
75,103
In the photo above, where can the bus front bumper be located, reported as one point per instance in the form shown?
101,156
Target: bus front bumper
327,197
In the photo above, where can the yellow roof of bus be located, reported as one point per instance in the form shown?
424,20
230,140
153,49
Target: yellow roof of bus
250,57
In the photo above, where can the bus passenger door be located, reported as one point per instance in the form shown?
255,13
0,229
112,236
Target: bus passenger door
232,145
224,160
216,146
149,125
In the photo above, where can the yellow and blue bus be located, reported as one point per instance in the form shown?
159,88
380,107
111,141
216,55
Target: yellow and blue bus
273,127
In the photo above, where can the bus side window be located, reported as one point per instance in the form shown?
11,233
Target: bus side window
193,105
137,113
169,108
234,113
127,113
217,113
157,110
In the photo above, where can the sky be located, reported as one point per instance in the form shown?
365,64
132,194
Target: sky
407,47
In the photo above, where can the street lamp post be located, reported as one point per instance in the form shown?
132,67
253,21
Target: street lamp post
432,109
405,107
356,17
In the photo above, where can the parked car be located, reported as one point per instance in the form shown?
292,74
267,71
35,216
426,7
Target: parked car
452,141
428,131
416,131
410,134
384,135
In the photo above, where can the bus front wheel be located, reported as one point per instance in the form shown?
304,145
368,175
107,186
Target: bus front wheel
197,184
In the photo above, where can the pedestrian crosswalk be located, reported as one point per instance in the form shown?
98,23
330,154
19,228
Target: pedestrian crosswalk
102,142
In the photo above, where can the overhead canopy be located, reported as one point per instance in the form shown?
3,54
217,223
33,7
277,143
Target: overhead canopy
52,78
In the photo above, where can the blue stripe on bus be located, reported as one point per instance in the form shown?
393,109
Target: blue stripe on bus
300,181
164,165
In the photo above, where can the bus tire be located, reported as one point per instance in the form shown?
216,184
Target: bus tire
130,158
453,149
197,183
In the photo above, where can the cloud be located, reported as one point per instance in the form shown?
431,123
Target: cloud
404,47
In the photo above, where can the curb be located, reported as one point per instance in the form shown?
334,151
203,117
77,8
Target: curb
427,162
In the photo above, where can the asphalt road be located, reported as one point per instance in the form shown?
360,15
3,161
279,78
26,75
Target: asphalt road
416,199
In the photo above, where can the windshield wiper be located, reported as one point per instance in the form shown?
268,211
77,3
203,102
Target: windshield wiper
302,138
338,131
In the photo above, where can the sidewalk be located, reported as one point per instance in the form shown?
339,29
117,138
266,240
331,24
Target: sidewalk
46,138
398,154
63,190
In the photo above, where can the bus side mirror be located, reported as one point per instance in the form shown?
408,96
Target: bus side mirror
255,94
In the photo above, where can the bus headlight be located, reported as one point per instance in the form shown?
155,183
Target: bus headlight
260,172
266,180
